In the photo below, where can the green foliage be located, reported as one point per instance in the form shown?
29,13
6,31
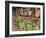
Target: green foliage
28,24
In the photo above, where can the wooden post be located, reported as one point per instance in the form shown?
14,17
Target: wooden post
37,12
21,11
30,12
25,12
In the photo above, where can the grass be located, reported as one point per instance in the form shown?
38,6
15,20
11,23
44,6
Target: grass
26,25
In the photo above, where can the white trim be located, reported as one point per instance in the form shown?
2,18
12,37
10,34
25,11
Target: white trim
24,32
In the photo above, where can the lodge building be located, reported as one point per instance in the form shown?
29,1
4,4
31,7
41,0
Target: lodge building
35,12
